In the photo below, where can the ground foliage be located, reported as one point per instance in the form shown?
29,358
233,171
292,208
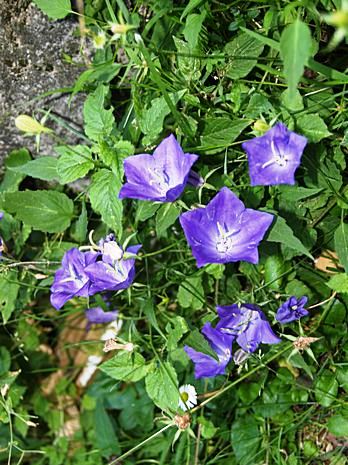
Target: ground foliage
214,73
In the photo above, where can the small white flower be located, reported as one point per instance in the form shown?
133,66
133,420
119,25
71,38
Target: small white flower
188,397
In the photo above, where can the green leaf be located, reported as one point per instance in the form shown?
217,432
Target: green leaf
126,366
44,168
162,387
74,162
189,66
79,230
103,193
151,120
326,388
5,360
113,155
295,50
242,53
339,282
145,210
47,211
192,4
341,244
192,29
198,342
55,9
165,217
246,439
294,195
106,438
98,121
282,233
175,329
219,133
8,294
12,179
191,293
313,127
338,425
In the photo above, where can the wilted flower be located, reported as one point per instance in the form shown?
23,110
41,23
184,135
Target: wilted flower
291,310
96,315
116,270
161,176
274,157
225,231
71,280
247,324
205,365
188,397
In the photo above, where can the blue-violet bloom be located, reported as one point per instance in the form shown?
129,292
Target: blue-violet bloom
116,270
96,315
247,324
274,157
71,280
206,366
291,310
159,177
225,231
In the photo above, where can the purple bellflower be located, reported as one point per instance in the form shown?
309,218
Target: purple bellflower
291,310
206,366
96,315
116,270
71,280
247,324
274,157
159,177
225,231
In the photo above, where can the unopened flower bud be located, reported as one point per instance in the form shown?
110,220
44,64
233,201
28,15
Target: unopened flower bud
260,126
182,421
117,28
30,125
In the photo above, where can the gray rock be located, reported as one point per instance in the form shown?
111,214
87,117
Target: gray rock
32,49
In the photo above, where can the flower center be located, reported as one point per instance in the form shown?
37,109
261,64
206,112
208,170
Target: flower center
224,242
160,179
294,307
279,158
184,396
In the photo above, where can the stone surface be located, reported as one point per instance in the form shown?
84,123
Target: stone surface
32,49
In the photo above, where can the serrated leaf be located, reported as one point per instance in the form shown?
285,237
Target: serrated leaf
47,211
162,387
113,155
74,162
313,127
295,50
175,329
341,244
191,293
98,121
198,342
12,179
282,233
145,210
242,53
339,282
44,168
8,294
165,217
219,133
103,194
55,9
126,366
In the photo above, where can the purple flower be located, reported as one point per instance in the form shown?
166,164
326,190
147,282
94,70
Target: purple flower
96,315
292,310
71,280
161,176
115,271
274,157
225,231
248,324
204,364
